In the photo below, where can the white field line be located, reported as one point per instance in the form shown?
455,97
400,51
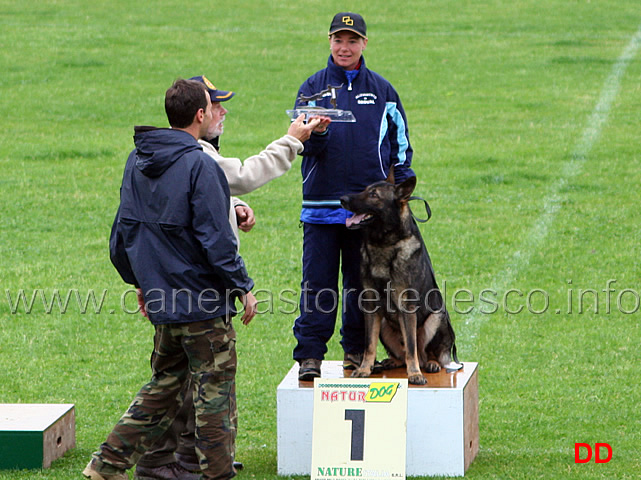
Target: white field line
532,241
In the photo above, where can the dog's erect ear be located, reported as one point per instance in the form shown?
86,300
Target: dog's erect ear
390,176
405,189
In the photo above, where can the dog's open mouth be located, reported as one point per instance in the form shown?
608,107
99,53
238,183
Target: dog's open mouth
358,219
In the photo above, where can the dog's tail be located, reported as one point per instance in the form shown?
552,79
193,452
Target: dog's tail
454,354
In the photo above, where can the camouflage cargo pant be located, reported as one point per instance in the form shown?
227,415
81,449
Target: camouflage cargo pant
178,440
207,350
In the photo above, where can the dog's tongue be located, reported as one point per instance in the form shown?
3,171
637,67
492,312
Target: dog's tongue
355,220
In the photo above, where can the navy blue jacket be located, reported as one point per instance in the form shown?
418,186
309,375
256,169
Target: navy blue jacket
171,236
351,156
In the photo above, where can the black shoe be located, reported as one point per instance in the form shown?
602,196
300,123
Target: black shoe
351,361
171,471
192,465
310,369
188,462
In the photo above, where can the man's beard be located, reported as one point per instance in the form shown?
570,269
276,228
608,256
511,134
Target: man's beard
217,132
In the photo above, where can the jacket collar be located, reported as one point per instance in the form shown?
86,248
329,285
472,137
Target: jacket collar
339,73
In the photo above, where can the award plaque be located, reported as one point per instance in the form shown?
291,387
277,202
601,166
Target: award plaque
335,114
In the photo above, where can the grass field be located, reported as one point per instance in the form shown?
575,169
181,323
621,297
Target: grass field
524,118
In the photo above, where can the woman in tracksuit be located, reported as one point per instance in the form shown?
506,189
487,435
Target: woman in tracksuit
339,159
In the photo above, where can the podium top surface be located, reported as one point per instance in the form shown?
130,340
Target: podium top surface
31,416
334,369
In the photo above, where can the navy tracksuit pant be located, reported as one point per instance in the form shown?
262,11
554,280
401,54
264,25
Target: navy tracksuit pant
328,249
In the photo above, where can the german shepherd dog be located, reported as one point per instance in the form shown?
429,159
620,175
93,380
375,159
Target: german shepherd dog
401,300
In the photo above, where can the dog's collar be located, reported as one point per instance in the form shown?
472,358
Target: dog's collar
428,210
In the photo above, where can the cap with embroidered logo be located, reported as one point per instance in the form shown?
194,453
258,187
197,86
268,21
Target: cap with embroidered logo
215,94
348,21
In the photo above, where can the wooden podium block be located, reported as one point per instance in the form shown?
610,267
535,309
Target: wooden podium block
442,420
34,435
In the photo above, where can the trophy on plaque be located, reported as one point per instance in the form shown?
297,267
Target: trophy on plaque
335,114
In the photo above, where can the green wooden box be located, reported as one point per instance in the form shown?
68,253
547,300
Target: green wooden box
34,435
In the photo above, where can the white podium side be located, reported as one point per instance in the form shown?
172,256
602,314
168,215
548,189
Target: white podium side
442,420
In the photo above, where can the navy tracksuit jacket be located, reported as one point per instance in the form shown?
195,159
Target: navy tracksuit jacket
171,236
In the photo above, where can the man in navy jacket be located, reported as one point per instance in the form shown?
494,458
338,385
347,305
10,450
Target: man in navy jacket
172,240
339,159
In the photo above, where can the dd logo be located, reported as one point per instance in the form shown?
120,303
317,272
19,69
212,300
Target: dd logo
597,457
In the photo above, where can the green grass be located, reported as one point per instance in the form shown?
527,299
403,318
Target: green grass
498,96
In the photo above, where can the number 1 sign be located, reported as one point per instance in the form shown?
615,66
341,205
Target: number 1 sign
360,427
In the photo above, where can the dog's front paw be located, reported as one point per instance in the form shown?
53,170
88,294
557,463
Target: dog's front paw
361,373
416,379
432,367
390,363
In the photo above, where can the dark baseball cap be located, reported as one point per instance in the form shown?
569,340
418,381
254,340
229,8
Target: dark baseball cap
215,94
348,21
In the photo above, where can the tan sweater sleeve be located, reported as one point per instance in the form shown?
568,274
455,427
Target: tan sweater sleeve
257,170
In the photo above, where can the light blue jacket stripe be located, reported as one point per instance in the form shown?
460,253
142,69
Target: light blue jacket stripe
401,137
321,203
